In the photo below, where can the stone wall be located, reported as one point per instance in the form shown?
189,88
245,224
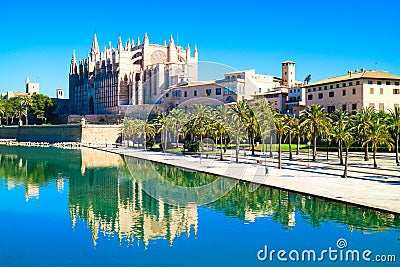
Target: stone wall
62,133
101,133
97,119
50,134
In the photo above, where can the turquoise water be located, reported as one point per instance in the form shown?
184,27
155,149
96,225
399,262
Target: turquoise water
91,208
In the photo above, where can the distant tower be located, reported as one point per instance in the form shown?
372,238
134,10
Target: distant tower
60,93
288,73
31,88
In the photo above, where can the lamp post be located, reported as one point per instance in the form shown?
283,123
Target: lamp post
308,143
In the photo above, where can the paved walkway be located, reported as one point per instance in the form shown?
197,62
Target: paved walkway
379,189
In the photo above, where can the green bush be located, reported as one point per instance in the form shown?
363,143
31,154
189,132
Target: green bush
150,143
192,146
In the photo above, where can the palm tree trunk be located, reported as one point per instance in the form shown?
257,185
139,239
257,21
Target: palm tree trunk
270,145
225,144
237,150
221,157
26,116
341,152
397,148
298,145
279,152
366,156
346,163
253,153
290,147
314,144
374,148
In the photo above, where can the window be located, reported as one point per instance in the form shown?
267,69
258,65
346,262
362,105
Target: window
387,83
371,105
166,95
381,91
354,91
369,82
325,87
320,95
314,89
344,92
344,84
208,92
337,85
308,90
218,91
344,107
381,106
331,109
371,91
185,93
195,93
396,91
331,94
319,88
354,106
309,97
396,83
350,83
358,83
331,86
378,82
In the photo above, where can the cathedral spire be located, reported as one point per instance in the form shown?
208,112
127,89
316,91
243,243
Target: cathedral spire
74,67
195,53
73,60
119,42
145,39
138,41
95,45
171,41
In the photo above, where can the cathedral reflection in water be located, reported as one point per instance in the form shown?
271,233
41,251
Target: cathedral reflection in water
108,194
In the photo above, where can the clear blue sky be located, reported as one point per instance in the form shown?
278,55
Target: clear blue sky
324,38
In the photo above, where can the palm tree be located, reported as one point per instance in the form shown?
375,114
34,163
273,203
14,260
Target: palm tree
200,114
348,139
26,102
236,130
175,121
248,118
160,122
395,125
149,132
222,115
290,121
378,135
361,120
307,79
341,119
297,132
280,128
315,120
264,114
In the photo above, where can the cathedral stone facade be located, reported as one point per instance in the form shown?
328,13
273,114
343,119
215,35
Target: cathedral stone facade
110,80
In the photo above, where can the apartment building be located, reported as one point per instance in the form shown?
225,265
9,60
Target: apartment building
358,89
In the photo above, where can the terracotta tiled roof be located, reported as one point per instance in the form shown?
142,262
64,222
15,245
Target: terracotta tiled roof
360,75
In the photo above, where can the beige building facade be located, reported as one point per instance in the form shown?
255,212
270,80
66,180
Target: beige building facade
224,90
358,89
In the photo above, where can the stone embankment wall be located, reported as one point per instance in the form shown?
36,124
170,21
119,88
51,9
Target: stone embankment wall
62,133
